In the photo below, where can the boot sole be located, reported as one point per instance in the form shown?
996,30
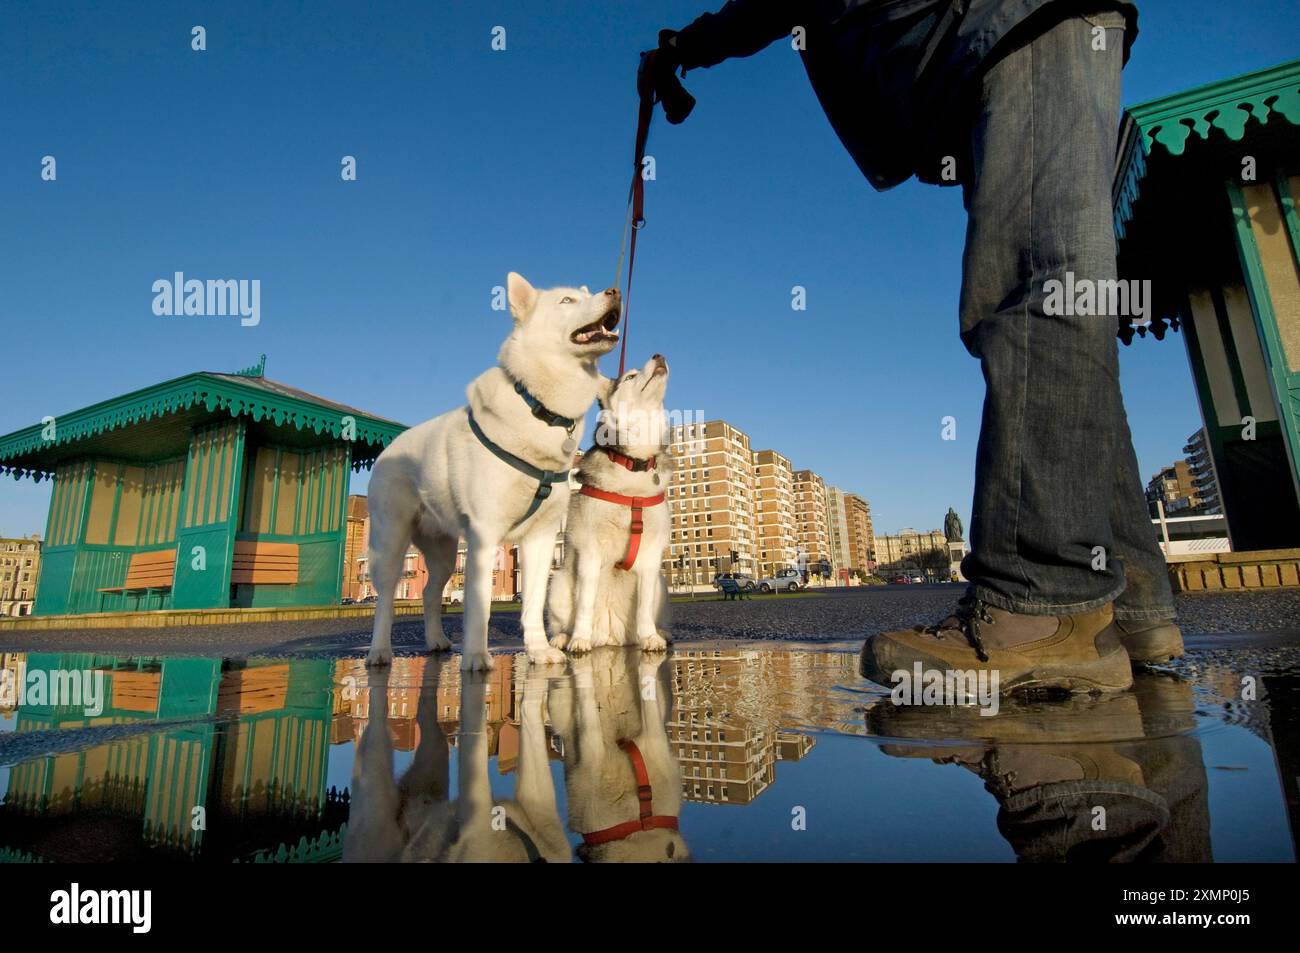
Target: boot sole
1162,644
1112,672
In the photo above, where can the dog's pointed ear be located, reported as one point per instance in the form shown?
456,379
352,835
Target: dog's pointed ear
603,390
583,289
521,295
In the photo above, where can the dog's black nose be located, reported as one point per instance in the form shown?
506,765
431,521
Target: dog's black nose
657,357
612,292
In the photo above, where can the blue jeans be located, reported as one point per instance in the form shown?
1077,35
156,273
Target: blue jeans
1059,523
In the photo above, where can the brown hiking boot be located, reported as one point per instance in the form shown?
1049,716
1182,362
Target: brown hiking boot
1157,640
1075,653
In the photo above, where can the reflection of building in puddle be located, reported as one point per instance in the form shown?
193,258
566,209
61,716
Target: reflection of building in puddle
351,711
727,708
243,769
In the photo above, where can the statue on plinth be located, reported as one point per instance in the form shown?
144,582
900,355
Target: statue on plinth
952,527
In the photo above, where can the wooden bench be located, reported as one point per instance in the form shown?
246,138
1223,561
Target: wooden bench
264,564
153,570
730,589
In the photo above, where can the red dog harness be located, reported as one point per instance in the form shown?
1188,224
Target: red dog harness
637,503
646,819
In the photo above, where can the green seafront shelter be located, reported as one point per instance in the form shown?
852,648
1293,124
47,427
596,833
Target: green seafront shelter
1206,194
208,491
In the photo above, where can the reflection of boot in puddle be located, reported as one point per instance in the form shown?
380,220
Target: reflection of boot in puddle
1077,780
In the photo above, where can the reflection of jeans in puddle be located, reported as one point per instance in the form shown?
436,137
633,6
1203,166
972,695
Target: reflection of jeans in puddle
1165,821
1085,780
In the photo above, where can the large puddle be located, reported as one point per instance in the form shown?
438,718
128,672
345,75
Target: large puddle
713,753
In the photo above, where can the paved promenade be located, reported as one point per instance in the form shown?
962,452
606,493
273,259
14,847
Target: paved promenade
832,615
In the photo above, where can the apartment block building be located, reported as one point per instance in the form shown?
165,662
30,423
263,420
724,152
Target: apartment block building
862,535
735,509
1186,487
774,492
811,516
837,527
711,497
355,540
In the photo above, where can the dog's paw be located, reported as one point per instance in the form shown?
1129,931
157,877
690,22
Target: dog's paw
652,643
559,641
476,662
379,657
579,646
547,656
436,642
665,635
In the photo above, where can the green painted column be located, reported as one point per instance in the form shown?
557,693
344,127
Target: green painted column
205,542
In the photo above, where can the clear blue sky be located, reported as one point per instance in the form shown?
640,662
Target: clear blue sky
472,163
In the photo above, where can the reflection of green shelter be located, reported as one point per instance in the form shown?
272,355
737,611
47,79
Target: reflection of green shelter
208,491
1206,191
245,742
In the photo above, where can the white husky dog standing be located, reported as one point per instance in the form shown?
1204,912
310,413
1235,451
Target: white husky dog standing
621,514
493,472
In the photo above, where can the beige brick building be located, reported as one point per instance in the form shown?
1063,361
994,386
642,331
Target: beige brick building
912,550
354,547
862,535
777,531
837,526
725,498
811,516
712,502
20,564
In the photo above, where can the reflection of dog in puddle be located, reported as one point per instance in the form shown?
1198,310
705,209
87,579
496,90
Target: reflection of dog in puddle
414,820
623,782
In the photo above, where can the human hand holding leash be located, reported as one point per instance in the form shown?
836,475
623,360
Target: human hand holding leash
657,75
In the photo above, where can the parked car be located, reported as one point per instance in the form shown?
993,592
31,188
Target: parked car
745,582
456,597
348,601
901,579
785,580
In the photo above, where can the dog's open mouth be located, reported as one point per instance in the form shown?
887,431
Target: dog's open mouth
604,329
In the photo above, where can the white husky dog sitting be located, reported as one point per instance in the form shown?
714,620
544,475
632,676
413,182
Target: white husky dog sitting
493,472
610,590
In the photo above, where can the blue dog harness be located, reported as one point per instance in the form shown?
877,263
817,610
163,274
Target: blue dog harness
545,478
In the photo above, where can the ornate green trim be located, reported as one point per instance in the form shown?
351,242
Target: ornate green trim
204,390
325,849
1228,106
256,370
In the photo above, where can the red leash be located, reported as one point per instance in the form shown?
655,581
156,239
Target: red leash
636,205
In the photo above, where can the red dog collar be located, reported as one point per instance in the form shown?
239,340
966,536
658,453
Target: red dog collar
631,463
645,797
637,503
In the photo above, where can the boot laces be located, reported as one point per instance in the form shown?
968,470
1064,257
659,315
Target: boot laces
967,618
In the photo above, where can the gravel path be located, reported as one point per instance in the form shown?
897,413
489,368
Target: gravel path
831,616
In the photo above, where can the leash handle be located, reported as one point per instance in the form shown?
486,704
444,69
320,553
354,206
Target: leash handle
636,208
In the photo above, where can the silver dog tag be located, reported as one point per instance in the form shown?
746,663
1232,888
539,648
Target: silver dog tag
569,446
656,479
